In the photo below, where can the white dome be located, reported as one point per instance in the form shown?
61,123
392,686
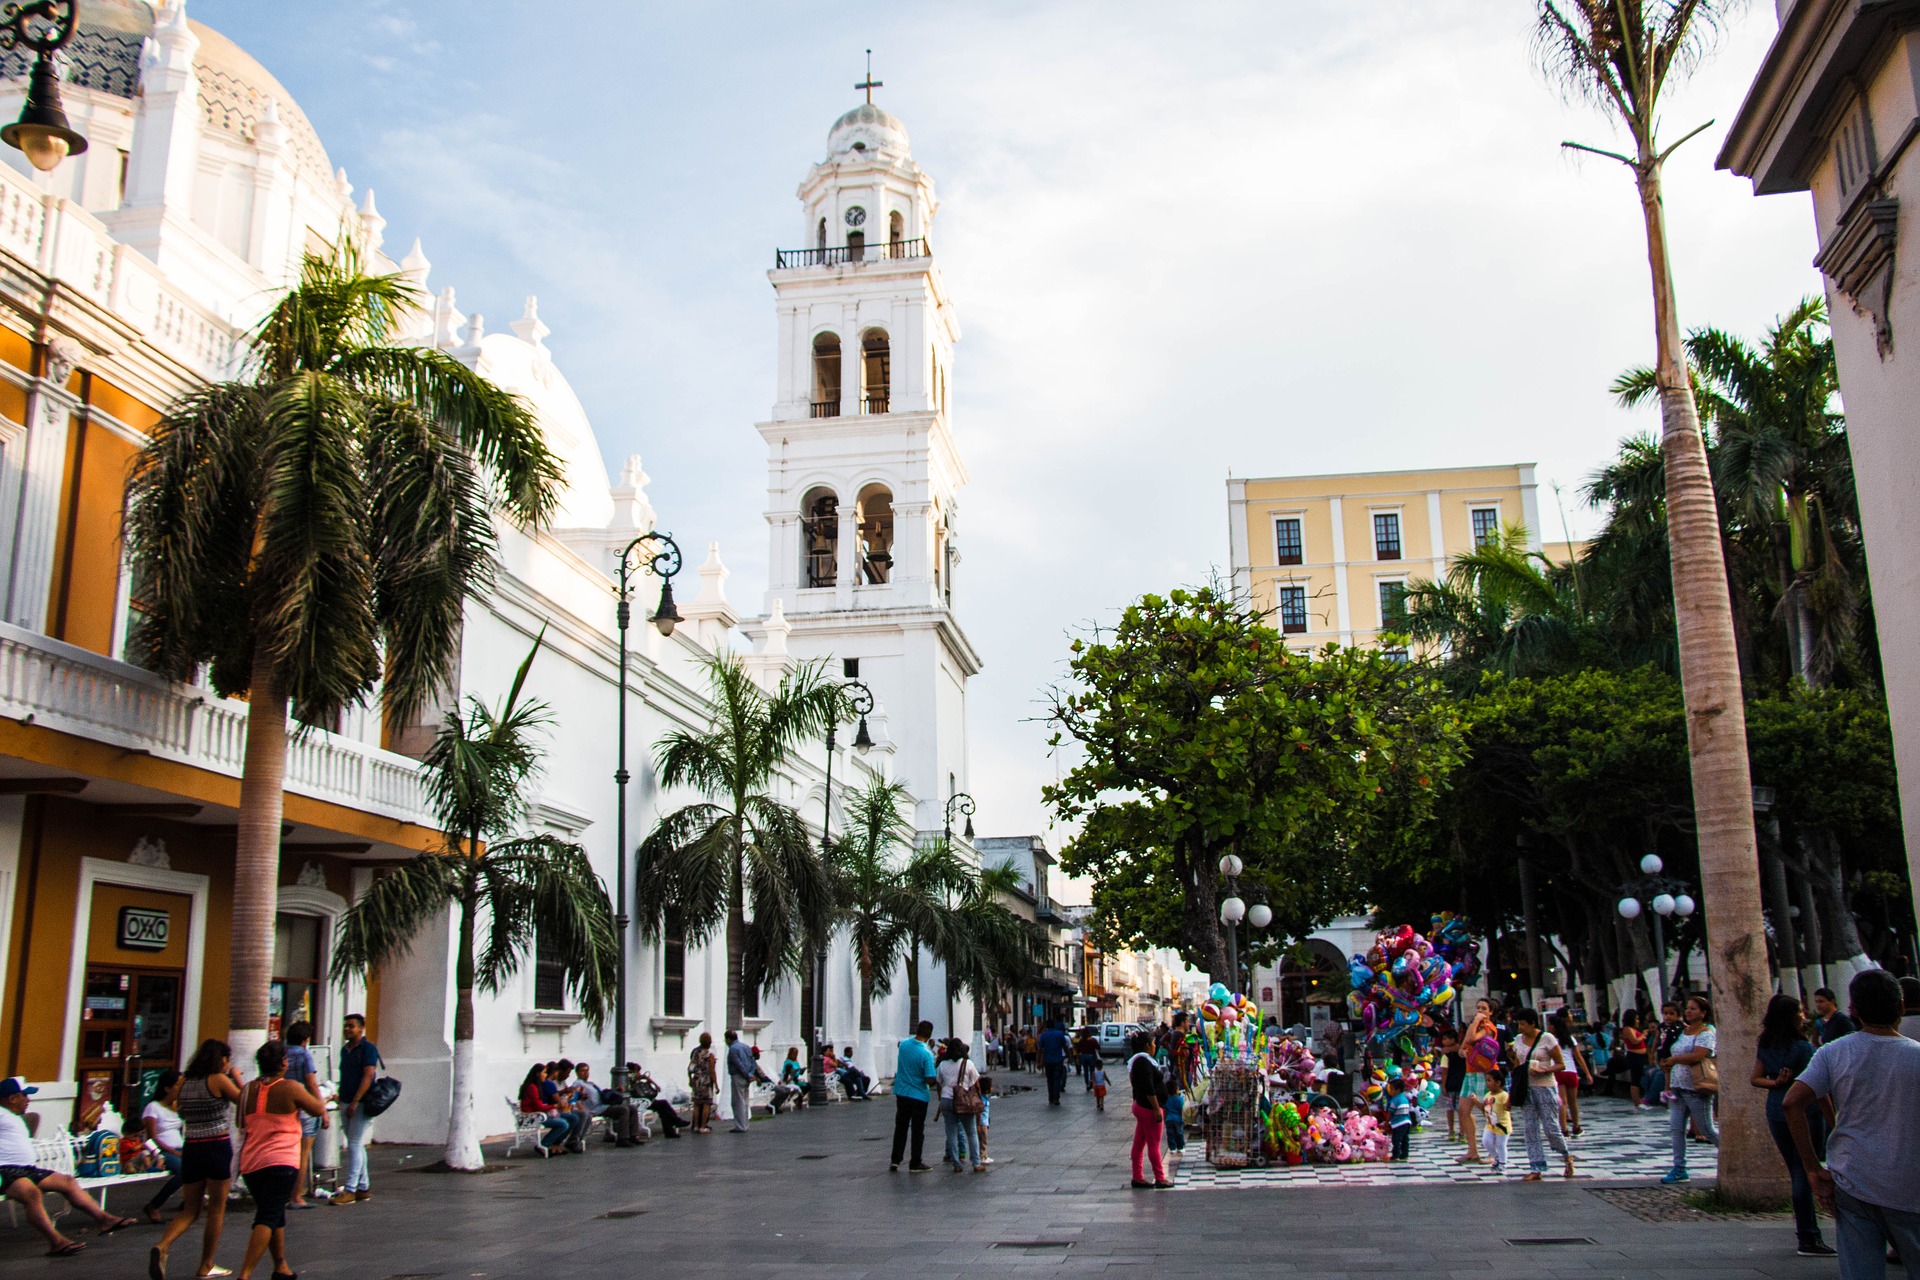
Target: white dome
867,128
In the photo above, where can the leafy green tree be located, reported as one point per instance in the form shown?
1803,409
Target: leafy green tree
1203,735
706,860
1620,55
313,532
516,889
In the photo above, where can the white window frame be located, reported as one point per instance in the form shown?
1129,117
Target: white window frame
1399,514
1279,591
1379,603
1473,509
1298,518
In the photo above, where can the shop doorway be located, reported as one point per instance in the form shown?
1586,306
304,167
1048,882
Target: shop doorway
129,1034
298,970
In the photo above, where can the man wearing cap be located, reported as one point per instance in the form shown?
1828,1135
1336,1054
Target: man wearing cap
25,1181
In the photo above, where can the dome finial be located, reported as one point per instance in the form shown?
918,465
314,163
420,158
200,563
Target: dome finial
870,84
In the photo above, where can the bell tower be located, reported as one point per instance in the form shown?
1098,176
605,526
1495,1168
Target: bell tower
863,474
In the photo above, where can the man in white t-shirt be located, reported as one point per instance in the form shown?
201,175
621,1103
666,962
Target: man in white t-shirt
24,1181
1871,1179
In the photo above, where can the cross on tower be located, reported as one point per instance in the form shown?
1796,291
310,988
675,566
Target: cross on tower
870,84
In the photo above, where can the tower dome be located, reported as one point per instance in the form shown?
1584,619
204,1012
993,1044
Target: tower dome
867,128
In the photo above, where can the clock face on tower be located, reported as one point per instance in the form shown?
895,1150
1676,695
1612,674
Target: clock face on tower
856,216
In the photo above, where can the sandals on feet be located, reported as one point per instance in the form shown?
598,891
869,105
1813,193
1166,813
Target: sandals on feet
119,1224
67,1250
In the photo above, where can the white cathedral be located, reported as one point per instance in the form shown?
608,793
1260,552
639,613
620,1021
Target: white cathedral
131,274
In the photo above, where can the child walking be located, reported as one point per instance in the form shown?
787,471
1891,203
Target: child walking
986,1116
1400,1117
1100,1088
1176,1121
1499,1114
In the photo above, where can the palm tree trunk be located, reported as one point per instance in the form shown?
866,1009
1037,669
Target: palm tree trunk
463,1137
737,930
1750,1169
256,862
913,982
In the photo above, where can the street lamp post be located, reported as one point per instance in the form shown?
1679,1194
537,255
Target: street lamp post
664,563
1669,898
860,702
41,133
1234,909
961,802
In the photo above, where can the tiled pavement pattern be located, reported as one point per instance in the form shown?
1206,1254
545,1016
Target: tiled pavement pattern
766,1206
1618,1144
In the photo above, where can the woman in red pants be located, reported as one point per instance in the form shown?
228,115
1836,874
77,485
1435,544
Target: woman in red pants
1149,1112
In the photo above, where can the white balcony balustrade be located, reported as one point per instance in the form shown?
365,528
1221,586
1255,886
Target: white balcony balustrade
76,691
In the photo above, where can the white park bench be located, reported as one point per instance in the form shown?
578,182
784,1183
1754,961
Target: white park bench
60,1154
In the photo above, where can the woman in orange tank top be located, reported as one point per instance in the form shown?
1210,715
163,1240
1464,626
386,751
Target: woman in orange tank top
270,1154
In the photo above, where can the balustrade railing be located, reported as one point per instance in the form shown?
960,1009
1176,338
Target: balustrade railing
848,254
77,691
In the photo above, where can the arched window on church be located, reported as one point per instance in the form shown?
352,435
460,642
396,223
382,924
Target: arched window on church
876,535
896,233
820,538
820,236
826,376
876,371
856,246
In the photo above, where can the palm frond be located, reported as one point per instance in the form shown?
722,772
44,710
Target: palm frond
685,866
432,539
192,500
544,888
381,925
493,424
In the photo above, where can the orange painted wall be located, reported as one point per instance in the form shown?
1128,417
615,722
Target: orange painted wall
43,941
86,574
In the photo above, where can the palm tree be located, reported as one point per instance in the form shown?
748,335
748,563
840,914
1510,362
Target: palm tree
532,888
705,861
994,950
874,902
1783,473
937,875
1620,55
1504,608
313,532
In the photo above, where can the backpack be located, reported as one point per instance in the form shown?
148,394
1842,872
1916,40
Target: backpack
1481,1055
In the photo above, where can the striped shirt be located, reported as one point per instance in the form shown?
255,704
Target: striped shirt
203,1116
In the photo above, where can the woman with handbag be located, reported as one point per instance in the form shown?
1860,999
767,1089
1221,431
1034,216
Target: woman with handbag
1538,1061
961,1102
1693,1079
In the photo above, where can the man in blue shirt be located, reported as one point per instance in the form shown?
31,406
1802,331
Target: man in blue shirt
359,1062
741,1072
913,1075
1054,1050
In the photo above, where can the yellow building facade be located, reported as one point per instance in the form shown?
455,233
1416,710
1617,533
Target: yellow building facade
1326,557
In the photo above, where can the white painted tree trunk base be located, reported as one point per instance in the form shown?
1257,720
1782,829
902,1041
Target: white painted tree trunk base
463,1136
244,1043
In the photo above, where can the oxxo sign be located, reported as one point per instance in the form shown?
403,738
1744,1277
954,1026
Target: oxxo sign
144,929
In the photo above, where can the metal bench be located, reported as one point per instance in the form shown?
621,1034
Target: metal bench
528,1128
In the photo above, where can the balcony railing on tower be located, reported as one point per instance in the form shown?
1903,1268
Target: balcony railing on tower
843,255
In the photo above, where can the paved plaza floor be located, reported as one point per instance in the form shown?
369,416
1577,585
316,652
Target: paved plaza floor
808,1197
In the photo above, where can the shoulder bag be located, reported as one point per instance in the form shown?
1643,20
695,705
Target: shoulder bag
1706,1075
966,1093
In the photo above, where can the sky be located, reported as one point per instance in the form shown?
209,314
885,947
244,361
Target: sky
1185,242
